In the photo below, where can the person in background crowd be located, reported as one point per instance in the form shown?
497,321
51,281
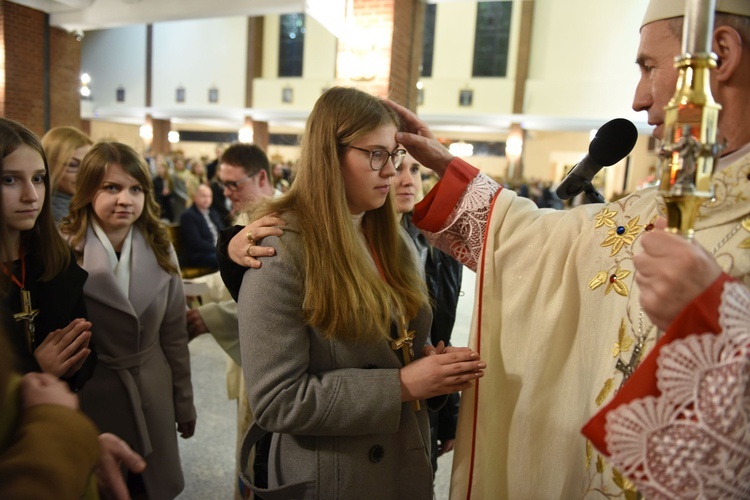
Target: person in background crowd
163,185
443,275
183,184
218,313
65,147
199,231
280,177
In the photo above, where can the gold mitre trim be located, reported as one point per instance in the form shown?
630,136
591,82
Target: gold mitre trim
667,9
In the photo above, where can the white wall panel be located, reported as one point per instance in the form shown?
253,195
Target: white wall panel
197,55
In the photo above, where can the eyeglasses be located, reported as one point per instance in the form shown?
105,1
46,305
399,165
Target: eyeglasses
235,185
379,157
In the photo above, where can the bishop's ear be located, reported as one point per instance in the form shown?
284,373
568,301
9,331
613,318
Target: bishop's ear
727,45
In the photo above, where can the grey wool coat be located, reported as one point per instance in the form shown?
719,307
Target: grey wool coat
141,386
334,406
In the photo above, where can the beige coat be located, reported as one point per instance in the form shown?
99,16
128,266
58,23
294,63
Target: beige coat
141,387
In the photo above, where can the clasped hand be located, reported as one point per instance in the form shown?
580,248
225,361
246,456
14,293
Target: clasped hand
441,370
63,352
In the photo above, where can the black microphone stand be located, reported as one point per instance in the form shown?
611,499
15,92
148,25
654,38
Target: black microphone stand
591,194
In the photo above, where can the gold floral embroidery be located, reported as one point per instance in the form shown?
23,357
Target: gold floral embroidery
615,281
619,236
598,280
605,218
746,225
589,453
624,484
599,464
624,342
606,389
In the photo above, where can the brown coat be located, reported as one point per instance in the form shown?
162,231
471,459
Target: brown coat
144,362
334,406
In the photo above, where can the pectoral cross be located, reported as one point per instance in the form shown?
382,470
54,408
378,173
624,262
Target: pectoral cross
627,370
28,314
406,343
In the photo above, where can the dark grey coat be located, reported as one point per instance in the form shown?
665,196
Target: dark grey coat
334,406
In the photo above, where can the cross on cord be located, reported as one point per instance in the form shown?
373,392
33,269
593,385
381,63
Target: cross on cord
28,314
406,344
627,370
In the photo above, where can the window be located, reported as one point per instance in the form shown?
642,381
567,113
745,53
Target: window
492,38
291,44
428,40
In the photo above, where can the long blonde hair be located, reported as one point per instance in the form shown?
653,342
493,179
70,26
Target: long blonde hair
90,176
59,144
343,297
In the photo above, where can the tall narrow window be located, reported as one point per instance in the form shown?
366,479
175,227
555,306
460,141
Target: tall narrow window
428,40
492,38
291,44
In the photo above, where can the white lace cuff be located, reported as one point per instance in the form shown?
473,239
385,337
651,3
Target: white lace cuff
462,235
693,441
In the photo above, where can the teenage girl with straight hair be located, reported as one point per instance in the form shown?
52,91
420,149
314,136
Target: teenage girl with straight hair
40,282
325,324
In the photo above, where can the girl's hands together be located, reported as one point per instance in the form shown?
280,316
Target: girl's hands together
63,352
440,372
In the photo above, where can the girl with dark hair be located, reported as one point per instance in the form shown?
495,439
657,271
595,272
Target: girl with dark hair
40,283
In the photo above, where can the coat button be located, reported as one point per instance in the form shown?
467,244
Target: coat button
377,453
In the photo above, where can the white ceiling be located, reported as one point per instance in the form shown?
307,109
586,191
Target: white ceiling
84,15
97,14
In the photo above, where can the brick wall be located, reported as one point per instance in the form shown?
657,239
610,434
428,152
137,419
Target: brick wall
23,95
23,37
406,51
64,79
384,56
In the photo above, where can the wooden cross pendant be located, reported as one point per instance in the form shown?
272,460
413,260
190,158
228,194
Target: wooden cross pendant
627,370
28,314
406,343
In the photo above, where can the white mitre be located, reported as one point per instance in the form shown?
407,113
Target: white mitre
667,9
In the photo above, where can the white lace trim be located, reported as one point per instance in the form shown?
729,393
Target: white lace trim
462,235
693,441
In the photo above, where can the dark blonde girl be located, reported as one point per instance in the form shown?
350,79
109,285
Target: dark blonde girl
142,388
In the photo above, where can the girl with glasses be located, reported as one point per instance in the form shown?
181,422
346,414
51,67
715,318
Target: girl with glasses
330,326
